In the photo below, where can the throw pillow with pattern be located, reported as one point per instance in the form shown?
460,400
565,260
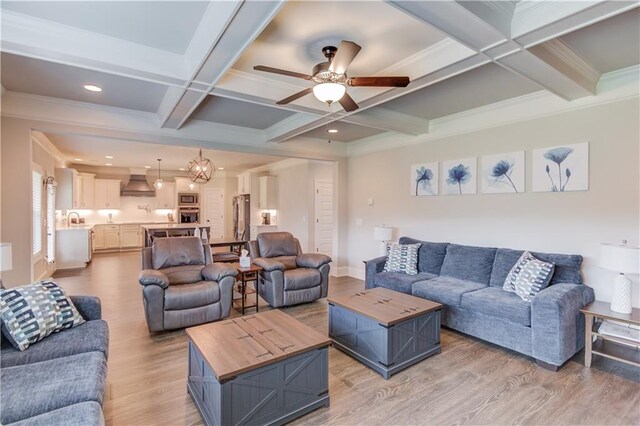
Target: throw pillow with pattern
528,276
402,258
32,312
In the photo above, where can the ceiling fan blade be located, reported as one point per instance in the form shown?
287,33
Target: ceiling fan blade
379,81
295,96
282,72
348,104
346,53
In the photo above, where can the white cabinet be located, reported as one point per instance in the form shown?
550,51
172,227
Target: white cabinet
66,192
111,236
244,183
98,237
107,194
186,185
166,196
130,236
73,247
268,193
83,190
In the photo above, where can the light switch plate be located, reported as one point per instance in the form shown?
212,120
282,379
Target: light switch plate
358,222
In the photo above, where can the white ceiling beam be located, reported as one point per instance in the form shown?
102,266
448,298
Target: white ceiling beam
40,39
230,27
386,119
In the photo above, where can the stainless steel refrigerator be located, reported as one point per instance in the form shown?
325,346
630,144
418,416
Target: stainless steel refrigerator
241,217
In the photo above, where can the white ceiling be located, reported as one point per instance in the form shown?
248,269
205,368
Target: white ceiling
188,65
136,154
165,25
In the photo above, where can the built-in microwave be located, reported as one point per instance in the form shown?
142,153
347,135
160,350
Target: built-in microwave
188,200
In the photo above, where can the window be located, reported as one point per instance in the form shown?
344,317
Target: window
36,191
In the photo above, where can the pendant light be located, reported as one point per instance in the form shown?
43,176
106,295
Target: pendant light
158,184
201,169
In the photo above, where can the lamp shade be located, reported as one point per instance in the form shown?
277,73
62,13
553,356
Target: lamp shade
620,258
329,92
5,257
383,233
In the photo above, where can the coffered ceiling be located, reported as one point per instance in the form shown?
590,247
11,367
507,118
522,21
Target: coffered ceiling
183,71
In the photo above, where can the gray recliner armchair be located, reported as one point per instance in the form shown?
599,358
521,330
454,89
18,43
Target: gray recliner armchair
289,277
181,287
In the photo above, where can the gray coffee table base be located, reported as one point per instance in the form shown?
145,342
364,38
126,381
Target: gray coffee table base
271,395
386,350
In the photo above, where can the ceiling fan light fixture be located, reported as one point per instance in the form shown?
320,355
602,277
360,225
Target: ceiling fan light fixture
329,92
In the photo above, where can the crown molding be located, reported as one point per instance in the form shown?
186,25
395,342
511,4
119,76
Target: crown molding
613,87
47,145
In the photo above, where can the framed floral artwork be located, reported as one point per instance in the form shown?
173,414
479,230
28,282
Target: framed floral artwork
459,176
503,173
561,168
424,179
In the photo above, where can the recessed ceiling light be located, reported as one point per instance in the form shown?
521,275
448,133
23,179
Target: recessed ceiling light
220,168
182,168
108,157
92,88
77,159
332,131
147,167
108,164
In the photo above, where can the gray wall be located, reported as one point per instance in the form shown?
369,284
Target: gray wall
571,222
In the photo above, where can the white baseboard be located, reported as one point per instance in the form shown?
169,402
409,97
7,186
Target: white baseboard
356,272
342,271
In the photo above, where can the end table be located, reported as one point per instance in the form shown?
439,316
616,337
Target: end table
245,276
612,347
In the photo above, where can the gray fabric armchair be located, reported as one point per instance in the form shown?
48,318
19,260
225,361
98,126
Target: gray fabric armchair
289,277
181,287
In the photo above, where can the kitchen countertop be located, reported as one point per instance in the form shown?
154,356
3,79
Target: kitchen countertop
76,227
91,225
174,226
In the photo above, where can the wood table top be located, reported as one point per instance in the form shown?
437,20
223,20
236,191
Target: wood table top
386,306
603,310
238,345
244,269
223,242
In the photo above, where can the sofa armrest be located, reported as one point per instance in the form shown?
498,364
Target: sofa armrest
153,277
269,264
217,271
557,324
312,260
88,306
373,267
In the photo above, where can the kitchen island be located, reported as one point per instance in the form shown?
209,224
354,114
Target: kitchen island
170,230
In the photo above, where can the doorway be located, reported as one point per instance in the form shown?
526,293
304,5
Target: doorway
323,235
214,211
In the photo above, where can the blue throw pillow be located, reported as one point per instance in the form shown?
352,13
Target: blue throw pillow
528,276
32,312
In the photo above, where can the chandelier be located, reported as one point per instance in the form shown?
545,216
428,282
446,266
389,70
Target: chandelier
200,169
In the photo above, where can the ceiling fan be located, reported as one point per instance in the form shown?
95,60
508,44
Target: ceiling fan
331,77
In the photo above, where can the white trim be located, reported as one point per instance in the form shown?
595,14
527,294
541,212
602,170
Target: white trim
358,273
48,146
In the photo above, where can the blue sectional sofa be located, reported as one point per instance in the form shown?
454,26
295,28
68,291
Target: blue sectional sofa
60,380
468,281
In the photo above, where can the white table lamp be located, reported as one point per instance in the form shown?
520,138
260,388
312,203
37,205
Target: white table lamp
384,234
623,259
5,258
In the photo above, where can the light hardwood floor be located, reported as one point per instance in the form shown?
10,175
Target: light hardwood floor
470,382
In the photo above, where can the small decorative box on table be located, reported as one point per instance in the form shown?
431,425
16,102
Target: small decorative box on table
261,369
384,329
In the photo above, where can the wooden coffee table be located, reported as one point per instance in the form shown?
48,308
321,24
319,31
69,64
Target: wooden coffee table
384,329
266,368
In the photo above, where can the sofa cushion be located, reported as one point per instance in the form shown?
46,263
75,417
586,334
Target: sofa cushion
567,268
402,258
92,336
430,256
84,413
177,251
178,297
301,278
400,282
186,274
445,290
49,385
32,312
272,244
468,263
528,276
498,303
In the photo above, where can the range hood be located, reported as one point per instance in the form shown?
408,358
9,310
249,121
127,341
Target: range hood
138,187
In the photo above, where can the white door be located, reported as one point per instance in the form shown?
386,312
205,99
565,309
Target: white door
324,217
214,211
